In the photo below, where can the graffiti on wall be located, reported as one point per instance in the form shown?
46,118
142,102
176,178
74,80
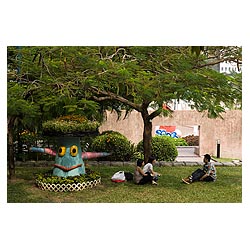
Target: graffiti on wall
168,131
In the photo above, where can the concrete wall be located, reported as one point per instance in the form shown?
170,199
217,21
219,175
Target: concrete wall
227,130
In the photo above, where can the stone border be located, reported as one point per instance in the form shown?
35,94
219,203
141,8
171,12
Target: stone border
129,163
161,163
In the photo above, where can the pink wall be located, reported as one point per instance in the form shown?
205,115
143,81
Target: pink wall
228,130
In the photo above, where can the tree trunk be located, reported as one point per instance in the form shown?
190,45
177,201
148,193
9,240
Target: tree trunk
11,156
147,136
147,132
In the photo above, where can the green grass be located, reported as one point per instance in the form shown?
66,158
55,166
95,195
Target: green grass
227,189
224,159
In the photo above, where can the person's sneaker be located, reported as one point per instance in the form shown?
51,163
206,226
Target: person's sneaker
154,183
185,180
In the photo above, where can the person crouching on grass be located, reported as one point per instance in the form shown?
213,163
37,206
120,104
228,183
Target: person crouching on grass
208,173
140,177
149,169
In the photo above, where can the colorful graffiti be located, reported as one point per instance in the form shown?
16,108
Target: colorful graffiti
168,131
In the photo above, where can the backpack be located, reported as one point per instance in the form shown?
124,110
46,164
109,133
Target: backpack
129,176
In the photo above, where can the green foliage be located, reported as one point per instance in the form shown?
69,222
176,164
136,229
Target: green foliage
42,77
197,49
115,143
136,73
192,140
17,106
28,137
111,132
179,142
70,124
163,147
47,177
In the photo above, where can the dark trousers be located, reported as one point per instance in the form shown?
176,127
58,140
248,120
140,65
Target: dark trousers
196,175
208,178
146,179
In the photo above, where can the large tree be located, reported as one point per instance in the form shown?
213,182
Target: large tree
140,77
35,94
136,78
22,113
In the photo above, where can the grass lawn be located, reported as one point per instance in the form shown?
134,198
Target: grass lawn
227,189
223,159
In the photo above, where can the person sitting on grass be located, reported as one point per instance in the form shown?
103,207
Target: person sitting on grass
208,173
148,168
140,177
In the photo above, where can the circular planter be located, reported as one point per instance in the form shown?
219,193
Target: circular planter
67,187
68,130
46,181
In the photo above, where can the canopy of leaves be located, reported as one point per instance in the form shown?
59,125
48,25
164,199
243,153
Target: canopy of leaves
25,112
39,86
63,80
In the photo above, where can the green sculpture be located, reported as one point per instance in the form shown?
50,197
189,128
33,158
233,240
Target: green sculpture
68,160
69,156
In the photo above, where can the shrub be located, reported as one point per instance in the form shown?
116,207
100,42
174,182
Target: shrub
107,132
115,143
192,140
69,124
163,148
179,142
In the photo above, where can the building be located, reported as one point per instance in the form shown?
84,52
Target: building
223,67
228,68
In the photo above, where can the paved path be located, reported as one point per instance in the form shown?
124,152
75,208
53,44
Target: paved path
188,154
189,158
186,157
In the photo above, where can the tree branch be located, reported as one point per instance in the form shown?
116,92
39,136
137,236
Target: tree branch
209,64
155,114
111,96
217,62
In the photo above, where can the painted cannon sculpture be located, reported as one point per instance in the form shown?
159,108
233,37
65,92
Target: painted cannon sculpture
69,156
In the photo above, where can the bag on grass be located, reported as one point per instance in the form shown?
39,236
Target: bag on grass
128,176
118,177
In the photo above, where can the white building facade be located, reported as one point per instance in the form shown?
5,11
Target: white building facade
224,68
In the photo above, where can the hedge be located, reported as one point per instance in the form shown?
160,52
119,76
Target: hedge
163,148
118,145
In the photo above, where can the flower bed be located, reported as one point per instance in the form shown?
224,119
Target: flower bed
75,125
46,181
